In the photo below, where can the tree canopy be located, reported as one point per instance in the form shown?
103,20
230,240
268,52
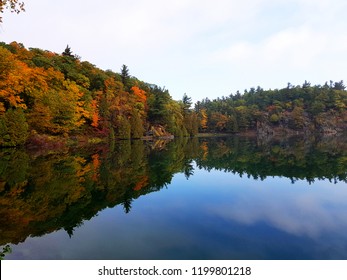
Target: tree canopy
61,95
45,93
304,108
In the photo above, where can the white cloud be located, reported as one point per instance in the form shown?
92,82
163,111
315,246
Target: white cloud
301,212
295,48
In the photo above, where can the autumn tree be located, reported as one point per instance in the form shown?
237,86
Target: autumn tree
140,100
15,6
203,119
95,114
14,75
58,94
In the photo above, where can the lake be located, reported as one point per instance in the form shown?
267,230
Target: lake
202,198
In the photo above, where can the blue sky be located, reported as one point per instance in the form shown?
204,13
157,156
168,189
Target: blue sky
202,48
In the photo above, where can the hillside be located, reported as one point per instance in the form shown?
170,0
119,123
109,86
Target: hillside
49,97
45,93
291,110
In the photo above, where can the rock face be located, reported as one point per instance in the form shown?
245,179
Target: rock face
158,131
288,125
329,123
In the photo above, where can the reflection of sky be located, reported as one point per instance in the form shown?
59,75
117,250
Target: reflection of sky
213,215
297,208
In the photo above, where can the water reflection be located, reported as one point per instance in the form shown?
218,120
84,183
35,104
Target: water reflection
295,158
41,194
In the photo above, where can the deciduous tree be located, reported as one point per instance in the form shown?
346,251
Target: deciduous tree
15,6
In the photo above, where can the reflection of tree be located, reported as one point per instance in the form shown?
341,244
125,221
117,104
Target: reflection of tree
127,200
127,204
188,169
69,231
4,251
70,227
294,158
45,193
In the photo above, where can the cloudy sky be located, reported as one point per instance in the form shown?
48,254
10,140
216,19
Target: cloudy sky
202,48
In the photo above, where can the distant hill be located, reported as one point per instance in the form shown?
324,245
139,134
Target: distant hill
291,110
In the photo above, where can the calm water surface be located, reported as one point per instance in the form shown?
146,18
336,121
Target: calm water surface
213,198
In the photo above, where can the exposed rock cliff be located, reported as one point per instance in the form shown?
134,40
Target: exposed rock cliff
289,124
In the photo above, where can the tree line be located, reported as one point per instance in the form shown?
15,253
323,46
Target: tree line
59,95
45,93
301,108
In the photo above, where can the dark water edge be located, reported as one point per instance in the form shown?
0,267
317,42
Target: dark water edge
181,196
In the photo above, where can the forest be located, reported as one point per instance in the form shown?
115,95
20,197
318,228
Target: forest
47,97
304,109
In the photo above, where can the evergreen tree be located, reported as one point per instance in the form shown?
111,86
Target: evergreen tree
339,86
187,102
67,52
125,76
157,102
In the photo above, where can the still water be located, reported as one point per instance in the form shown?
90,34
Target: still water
204,198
